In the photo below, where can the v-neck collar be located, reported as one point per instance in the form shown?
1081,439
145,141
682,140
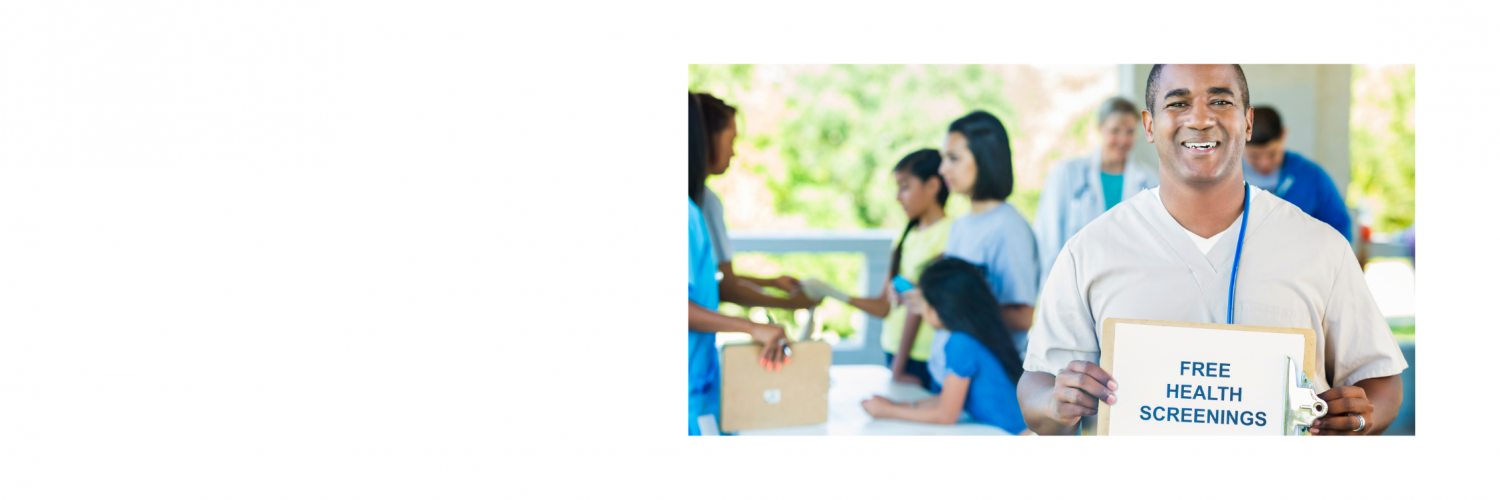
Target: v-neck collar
1206,268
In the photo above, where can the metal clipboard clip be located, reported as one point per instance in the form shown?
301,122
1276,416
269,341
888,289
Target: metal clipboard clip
1302,404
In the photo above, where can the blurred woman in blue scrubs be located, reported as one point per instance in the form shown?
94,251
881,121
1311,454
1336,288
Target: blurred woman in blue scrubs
703,297
1081,189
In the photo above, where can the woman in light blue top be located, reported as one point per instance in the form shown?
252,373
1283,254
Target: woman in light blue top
1081,189
994,236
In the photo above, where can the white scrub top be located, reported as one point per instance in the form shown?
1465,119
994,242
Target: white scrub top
1073,197
1136,262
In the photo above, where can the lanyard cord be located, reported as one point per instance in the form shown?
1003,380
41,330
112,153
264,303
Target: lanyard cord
1235,273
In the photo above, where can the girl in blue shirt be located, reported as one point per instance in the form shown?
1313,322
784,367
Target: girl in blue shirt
983,365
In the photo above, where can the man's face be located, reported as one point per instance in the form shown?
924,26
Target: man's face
1266,158
1198,123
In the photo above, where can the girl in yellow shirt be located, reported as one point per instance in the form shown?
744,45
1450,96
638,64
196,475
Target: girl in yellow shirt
904,337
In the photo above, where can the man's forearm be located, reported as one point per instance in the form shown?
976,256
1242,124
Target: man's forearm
1034,393
1385,394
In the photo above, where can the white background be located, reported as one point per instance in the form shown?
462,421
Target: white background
1148,357
430,249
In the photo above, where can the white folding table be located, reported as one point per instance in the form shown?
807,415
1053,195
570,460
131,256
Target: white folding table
855,383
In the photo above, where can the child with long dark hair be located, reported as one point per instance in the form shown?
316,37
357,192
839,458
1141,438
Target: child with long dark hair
983,365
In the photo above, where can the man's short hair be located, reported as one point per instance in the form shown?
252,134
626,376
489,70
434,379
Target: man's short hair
1152,84
1267,126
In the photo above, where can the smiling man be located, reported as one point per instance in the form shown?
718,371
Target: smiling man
1168,254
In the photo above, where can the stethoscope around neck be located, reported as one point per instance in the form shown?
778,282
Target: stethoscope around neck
1234,272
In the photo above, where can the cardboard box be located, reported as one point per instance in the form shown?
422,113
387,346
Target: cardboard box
755,398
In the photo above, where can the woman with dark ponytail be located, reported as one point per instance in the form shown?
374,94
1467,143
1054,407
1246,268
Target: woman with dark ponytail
704,320
720,132
905,339
983,365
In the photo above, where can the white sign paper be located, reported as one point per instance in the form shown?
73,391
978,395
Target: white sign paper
1178,380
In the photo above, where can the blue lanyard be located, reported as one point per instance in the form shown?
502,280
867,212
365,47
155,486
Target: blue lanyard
1235,273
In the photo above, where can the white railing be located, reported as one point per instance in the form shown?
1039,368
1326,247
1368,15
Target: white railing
873,244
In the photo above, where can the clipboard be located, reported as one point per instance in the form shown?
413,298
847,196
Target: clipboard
1302,405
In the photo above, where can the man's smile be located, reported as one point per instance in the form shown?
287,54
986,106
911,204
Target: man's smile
1200,147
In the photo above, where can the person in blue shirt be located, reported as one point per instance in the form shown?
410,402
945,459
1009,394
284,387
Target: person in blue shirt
703,302
983,364
1290,176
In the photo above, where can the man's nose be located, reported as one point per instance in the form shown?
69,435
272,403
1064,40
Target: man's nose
1200,118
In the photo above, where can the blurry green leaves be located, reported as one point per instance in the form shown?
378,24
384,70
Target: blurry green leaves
1025,201
1078,130
845,129
1383,162
724,81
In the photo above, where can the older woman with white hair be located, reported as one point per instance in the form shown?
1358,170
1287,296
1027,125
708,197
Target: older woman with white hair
1081,189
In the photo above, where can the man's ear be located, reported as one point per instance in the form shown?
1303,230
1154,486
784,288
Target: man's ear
1250,123
1283,133
1146,121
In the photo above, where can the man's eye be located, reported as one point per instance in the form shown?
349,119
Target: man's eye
1221,102
1177,105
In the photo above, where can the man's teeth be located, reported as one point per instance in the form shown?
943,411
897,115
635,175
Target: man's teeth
1200,145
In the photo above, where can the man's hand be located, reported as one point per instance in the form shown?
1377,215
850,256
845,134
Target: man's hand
772,339
1078,390
1344,403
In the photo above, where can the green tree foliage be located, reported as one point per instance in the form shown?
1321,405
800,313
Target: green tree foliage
1383,163
846,128
725,81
